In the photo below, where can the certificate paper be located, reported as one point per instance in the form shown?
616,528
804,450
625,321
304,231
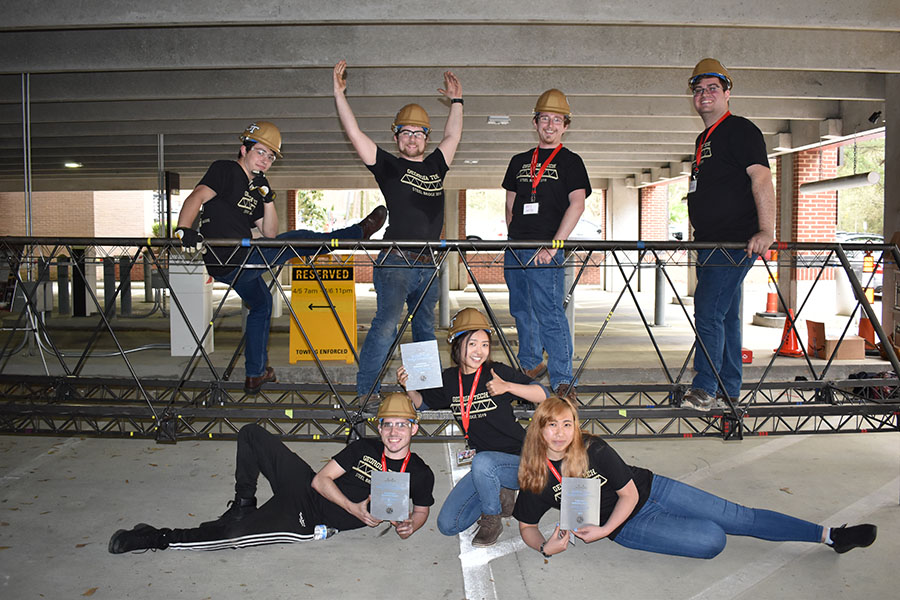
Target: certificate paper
580,503
390,496
423,365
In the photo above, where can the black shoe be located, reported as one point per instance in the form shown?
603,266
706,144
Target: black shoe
141,537
237,510
373,222
844,539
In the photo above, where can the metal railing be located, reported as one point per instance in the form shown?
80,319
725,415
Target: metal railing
46,388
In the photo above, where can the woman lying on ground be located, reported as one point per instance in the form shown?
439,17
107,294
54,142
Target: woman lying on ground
639,509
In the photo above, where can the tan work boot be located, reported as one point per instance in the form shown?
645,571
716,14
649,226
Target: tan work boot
489,529
507,502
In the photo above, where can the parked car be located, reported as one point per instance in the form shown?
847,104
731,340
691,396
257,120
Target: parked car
857,257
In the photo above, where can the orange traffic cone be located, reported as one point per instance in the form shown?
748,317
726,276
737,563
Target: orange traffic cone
790,345
771,302
867,332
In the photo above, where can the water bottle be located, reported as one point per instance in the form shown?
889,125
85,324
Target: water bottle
323,532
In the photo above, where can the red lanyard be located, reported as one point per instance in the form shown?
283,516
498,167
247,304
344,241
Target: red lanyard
463,409
536,180
402,467
703,141
554,471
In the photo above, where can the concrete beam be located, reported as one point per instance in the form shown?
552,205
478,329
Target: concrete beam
289,46
391,81
828,14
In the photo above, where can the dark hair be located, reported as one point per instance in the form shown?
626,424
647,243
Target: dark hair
459,343
248,144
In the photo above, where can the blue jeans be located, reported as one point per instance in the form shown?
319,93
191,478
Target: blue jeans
717,315
536,295
394,286
479,491
249,285
682,520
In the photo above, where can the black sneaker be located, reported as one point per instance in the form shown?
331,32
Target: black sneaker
237,510
141,537
844,539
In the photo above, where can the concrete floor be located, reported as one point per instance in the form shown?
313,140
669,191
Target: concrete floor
61,500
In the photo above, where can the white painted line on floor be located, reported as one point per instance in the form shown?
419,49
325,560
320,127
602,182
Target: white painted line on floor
740,582
17,474
770,447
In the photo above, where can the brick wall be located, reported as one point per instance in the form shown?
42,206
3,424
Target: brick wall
815,215
64,214
654,213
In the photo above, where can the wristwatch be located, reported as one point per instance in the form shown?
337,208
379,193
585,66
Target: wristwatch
541,550
456,101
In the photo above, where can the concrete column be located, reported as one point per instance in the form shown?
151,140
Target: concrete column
622,223
787,281
890,311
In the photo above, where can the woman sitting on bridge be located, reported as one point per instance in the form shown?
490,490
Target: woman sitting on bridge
480,393
639,509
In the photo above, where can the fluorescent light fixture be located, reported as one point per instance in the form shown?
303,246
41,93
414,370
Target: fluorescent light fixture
498,120
470,161
72,165
840,183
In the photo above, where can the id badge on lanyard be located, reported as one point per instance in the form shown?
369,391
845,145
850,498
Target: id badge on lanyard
531,207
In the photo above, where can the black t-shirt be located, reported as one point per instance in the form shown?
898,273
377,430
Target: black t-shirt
561,177
231,213
414,193
603,464
358,460
492,425
722,208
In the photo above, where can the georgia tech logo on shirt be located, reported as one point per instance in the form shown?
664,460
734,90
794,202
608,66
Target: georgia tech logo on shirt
481,405
549,173
247,203
705,151
427,185
592,474
365,466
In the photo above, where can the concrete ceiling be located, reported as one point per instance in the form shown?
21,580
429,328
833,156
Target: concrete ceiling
106,77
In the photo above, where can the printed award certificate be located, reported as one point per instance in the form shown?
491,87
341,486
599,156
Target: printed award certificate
423,365
580,503
390,496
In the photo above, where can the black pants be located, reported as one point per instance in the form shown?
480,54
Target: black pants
289,516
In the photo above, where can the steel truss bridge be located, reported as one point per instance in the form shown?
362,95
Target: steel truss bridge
199,400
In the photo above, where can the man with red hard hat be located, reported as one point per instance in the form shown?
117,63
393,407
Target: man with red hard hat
233,197
730,199
413,188
545,192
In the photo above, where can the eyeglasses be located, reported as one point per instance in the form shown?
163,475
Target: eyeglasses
555,119
265,155
395,425
712,90
407,133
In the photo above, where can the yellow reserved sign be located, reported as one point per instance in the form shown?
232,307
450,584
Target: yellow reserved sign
315,315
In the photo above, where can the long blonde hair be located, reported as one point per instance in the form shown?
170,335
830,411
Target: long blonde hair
533,464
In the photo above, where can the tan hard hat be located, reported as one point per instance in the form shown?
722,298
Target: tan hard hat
398,405
411,114
266,134
710,67
553,101
468,319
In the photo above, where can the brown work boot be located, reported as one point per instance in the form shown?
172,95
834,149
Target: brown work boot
489,529
507,502
566,390
252,384
537,372
373,222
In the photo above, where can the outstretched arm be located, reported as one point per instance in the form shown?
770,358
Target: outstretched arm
363,144
324,483
453,129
